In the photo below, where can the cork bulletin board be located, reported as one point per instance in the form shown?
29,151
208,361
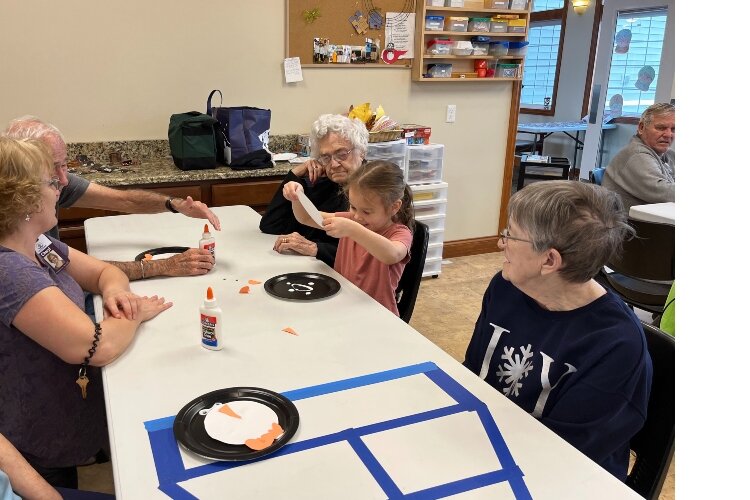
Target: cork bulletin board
328,20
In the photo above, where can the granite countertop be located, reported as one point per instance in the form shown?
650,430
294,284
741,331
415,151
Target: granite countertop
153,164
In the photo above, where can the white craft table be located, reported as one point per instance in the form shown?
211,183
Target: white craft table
654,212
383,411
542,130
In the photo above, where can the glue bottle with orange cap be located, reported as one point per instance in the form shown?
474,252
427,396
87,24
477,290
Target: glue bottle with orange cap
208,242
211,322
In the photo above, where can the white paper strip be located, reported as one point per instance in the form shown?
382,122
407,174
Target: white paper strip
310,208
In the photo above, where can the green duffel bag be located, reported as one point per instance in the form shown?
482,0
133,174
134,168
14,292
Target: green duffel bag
192,140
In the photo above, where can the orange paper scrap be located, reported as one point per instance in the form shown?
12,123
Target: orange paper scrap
275,431
289,329
245,289
266,439
254,282
226,410
148,256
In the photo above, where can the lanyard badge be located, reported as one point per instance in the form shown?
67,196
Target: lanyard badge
50,254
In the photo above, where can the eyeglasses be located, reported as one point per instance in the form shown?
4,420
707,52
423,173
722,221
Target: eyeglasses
505,236
339,156
54,182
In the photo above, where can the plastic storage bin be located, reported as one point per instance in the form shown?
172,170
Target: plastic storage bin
434,23
424,171
432,267
434,222
462,48
378,150
454,3
426,208
496,4
498,25
508,70
439,47
517,26
430,193
518,4
479,24
434,251
436,3
393,151
518,48
499,49
425,152
460,24
439,70
481,45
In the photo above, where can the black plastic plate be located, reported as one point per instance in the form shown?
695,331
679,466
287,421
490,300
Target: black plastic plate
161,251
190,431
302,286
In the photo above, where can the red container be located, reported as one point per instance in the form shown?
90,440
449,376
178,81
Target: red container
416,134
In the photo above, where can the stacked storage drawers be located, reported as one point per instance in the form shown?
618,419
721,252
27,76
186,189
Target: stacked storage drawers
394,151
424,172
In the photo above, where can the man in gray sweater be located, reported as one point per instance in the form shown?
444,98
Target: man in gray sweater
643,171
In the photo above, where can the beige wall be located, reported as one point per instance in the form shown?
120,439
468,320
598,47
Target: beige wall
117,71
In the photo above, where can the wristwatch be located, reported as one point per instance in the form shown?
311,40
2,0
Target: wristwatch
169,206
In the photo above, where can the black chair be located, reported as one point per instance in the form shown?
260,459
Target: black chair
653,445
597,175
408,285
643,273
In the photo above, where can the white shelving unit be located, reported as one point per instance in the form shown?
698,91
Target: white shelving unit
424,173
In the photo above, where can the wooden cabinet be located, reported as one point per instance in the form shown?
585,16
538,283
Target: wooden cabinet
256,194
463,66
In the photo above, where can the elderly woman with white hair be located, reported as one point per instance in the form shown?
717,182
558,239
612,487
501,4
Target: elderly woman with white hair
338,146
553,340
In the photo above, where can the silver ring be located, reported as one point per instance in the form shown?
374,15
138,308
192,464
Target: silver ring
285,240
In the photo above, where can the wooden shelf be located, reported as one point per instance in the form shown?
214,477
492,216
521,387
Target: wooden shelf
474,33
422,37
472,57
521,13
493,79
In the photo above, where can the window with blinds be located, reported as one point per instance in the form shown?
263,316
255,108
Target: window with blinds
636,59
539,84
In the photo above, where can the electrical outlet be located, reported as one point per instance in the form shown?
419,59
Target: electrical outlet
450,114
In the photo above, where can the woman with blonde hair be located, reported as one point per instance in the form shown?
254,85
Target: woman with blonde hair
50,351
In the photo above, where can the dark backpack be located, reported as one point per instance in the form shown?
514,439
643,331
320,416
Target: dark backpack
192,140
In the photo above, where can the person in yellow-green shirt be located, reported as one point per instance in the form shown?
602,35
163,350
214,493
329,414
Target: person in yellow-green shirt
667,318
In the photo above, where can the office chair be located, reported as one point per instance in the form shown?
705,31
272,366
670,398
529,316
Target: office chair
653,445
645,260
408,285
597,175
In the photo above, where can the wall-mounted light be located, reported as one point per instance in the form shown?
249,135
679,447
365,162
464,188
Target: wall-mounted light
580,6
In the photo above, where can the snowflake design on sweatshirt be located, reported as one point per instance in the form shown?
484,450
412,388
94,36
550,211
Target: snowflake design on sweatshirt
515,369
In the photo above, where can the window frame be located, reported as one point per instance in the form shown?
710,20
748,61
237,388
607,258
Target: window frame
561,15
585,105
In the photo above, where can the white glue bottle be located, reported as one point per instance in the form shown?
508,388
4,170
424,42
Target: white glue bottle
208,242
211,322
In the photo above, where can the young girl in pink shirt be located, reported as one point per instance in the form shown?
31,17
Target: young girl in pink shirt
375,233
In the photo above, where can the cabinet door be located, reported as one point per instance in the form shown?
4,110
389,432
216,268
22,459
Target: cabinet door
256,195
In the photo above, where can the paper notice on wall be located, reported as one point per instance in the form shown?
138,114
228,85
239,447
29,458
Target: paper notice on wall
292,70
399,33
